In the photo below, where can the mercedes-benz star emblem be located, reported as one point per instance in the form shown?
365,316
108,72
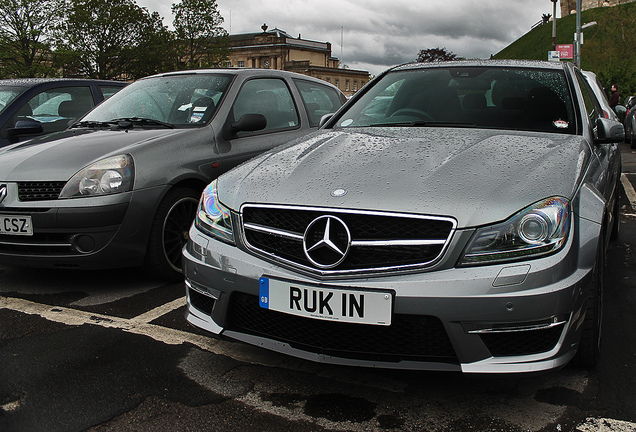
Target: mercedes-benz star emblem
326,241
3,192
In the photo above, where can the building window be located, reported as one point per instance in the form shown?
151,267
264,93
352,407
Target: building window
346,85
241,63
355,85
328,79
337,83
228,64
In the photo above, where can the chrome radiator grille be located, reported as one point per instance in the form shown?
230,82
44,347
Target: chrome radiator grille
335,241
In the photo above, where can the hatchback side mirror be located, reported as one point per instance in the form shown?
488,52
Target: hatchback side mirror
249,123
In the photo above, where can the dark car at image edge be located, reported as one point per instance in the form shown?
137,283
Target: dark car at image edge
31,107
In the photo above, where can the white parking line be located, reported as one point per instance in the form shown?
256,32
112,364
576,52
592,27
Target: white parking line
155,313
140,325
629,190
605,425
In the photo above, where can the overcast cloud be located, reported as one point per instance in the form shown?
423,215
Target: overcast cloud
377,34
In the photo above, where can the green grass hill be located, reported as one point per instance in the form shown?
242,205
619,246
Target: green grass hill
609,48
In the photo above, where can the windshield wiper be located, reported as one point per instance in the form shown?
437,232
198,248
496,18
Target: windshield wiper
143,121
422,123
90,123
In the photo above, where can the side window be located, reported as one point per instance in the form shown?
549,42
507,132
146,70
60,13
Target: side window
269,97
108,91
54,108
319,100
592,106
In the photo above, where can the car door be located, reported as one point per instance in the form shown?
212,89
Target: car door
48,111
272,98
608,155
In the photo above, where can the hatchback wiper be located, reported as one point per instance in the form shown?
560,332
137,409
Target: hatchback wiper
90,123
143,121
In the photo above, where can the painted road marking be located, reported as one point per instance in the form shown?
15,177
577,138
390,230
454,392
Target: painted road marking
141,325
629,190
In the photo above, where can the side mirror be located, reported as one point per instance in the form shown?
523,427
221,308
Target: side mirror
26,127
609,131
620,111
249,123
324,119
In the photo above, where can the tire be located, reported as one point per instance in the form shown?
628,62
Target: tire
589,347
169,233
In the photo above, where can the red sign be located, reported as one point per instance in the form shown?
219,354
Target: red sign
566,51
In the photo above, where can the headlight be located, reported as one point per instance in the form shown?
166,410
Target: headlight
213,218
536,231
107,176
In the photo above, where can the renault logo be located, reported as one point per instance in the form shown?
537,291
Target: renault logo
326,242
3,192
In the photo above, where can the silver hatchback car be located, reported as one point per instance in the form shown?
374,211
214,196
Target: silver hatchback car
461,226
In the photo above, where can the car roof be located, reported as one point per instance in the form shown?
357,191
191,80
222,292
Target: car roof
530,64
249,72
242,72
32,82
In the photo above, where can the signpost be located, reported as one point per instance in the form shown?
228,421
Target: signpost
566,51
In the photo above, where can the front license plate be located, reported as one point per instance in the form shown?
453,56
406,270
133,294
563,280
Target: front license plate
16,225
325,303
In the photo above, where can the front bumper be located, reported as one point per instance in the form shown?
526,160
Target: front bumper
83,233
519,317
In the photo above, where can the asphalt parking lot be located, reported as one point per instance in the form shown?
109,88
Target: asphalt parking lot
110,351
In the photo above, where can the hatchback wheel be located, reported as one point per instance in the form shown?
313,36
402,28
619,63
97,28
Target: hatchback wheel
169,233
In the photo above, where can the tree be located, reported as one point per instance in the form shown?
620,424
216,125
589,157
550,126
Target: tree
197,25
25,32
155,52
607,46
99,37
435,55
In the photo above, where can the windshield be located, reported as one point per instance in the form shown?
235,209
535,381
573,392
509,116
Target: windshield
8,94
179,100
484,97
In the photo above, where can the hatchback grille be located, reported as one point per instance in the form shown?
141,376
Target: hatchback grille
39,191
37,244
408,338
378,241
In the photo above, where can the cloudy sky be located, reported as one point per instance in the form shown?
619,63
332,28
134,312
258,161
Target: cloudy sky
376,34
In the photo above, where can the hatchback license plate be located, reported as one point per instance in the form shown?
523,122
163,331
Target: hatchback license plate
16,225
326,303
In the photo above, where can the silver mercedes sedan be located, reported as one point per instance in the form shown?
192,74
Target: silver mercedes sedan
451,216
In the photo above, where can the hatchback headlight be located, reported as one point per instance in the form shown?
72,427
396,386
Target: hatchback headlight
536,231
213,218
107,176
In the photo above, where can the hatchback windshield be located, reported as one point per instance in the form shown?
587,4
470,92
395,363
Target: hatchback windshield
177,100
484,97
8,94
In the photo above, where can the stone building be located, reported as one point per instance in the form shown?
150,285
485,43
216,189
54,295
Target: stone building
569,6
276,49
